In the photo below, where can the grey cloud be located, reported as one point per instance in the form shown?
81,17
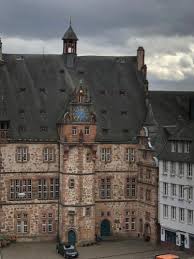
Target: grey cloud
48,19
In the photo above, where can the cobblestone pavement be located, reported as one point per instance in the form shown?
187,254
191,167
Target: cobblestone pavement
128,249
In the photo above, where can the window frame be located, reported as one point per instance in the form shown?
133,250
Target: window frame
165,211
105,154
22,154
48,154
130,154
105,188
181,215
87,130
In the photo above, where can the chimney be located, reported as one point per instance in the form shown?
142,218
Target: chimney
140,58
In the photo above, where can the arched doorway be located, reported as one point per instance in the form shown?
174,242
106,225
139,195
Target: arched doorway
147,232
71,237
105,228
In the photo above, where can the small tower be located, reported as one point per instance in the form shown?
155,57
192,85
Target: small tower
70,46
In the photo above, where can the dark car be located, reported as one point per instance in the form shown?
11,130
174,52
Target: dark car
67,250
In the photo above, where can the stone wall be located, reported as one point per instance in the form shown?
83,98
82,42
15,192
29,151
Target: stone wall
81,208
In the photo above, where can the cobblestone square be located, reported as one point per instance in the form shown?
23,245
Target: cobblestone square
128,249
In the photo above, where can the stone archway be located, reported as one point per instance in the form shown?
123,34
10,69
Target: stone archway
105,228
71,237
147,232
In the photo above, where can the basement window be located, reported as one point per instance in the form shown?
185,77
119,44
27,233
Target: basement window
125,131
62,90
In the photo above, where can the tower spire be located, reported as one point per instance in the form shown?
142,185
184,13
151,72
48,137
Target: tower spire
70,45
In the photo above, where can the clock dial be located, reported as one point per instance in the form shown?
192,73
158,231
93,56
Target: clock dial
80,114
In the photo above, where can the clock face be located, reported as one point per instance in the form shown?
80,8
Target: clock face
80,114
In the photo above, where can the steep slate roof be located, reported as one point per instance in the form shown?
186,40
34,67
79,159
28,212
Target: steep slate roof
171,110
39,88
183,131
168,106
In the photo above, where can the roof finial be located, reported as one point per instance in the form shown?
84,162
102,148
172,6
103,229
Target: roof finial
70,21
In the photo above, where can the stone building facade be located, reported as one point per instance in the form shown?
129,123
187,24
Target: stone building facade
76,161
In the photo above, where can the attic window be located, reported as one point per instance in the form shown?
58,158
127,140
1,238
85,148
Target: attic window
122,92
61,71
20,58
43,114
122,60
81,72
103,111
21,128
123,113
21,113
42,90
22,89
43,128
102,92
104,130
125,131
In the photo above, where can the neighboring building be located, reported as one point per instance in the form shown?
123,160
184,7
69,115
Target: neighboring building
75,157
176,167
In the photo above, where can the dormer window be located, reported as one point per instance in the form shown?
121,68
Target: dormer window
180,146
122,92
21,128
43,128
103,111
43,114
102,92
22,89
187,147
123,113
173,146
21,114
105,131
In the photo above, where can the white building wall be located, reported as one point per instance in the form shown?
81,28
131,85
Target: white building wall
168,223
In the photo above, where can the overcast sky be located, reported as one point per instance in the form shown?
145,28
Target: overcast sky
165,28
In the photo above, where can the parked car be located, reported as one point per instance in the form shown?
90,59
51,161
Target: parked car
67,250
167,256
